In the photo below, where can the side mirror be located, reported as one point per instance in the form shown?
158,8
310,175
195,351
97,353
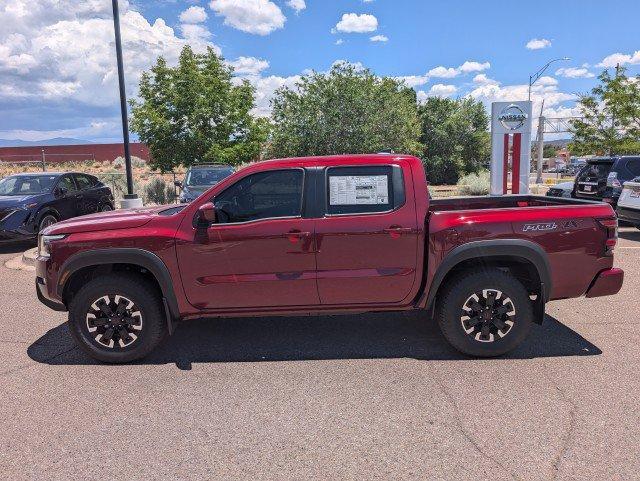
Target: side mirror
207,214
178,184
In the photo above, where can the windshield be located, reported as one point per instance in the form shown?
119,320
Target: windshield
27,184
207,177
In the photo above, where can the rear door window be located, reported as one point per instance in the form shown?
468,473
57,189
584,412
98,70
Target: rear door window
633,166
83,181
363,190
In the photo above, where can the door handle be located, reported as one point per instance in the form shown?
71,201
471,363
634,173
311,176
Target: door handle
396,231
296,235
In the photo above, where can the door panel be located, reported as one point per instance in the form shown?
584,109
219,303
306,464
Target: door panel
268,263
87,195
67,205
368,257
260,253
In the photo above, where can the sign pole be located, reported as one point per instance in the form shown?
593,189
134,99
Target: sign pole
510,138
130,199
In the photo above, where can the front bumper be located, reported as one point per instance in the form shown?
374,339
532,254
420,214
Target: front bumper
41,291
628,214
606,283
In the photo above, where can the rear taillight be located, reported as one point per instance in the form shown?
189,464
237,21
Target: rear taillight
612,180
611,226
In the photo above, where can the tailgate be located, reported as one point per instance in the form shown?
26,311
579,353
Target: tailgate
592,180
630,196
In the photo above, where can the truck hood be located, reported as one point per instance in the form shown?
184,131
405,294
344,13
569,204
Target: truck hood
117,219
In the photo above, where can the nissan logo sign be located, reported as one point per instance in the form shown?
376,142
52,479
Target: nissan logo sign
512,117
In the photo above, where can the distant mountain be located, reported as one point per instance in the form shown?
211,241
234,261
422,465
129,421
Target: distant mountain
560,143
44,143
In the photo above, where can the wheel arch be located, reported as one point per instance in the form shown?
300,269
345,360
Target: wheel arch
86,265
526,260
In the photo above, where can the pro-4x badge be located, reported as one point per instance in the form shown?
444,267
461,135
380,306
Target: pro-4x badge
540,227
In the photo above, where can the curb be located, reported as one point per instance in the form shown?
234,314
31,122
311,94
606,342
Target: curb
29,257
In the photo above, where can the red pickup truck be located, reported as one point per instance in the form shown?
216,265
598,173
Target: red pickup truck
340,234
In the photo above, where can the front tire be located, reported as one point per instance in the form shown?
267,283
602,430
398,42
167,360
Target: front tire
46,221
485,313
117,318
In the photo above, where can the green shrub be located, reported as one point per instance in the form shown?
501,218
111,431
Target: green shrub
475,184
442,171
156,191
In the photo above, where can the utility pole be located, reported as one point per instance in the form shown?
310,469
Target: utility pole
130,198
540,145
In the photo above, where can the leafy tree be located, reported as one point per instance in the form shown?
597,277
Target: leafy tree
610,117
194,112
549,151
455,138
348,110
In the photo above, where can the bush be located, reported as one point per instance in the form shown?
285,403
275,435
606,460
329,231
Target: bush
475,184
136,162
156,192
442,171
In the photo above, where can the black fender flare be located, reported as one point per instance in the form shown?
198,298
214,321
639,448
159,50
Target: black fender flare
118,255
516,248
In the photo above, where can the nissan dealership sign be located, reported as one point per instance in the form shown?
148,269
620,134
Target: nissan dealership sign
510,147
513,117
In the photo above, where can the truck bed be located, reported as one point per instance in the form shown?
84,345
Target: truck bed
503,202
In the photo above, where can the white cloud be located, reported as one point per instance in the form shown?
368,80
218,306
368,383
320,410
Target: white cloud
193,15
482,79
61,53
249,65
414,80
379,38
574,72
339,41
443,72
266,87
297,5
538,43
442,90
620,58
260,17
354,23
468,66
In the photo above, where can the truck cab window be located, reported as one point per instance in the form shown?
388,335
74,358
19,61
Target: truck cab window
263,195
362,190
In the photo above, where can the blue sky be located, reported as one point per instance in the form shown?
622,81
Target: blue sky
57,68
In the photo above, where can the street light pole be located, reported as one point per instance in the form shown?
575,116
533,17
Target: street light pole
130,198
534,78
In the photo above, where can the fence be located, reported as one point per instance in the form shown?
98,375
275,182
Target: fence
117,181
104,170
41,159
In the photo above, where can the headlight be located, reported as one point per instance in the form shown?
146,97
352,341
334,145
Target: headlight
44,241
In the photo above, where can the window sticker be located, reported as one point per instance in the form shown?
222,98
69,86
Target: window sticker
358,190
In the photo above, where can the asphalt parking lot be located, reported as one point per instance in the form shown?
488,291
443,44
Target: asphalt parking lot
362,397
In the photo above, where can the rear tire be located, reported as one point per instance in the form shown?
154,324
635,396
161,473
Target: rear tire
117,318
485,313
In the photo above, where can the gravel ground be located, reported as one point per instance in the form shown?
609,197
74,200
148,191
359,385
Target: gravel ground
361,397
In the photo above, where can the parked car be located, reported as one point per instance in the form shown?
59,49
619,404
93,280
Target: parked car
32,202
201,177
563,189
602,177
340,234
629,203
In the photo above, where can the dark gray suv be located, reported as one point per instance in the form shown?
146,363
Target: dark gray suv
200,177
